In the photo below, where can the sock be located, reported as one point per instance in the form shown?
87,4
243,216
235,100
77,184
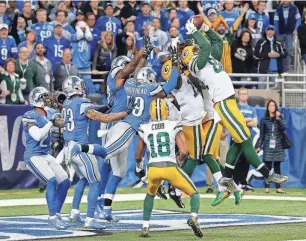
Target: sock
193,215
231,159
147,207
211,163
88,219
105,170
92,198
94,149
190,165
146,224
263,170
78,193
51,196
111,189
221,167
217,176
75,211
195,202
61,193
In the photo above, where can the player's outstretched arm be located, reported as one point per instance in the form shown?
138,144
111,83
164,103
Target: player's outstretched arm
139,151
105,118
39,133
180,142
216,44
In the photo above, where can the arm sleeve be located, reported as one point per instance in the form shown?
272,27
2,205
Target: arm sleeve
177,128
78,35
14,49
281,124
262,134
258,53
216,44
276,23
172,82
96,56
298,19
38,133
254,114
236,24
140,132
205,49
21,98
88,34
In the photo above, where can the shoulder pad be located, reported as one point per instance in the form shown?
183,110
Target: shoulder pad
29,118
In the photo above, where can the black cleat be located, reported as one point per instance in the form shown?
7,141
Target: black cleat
144,233
193,223
161,192
209,190
175,197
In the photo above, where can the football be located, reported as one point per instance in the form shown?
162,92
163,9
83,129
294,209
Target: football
198,21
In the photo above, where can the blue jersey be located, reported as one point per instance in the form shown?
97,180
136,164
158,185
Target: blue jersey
54,49
81,53
230,17
117,94
76,122
156,65
183,15
143,98
262,20
248,112
8,49
33,147
142,21
69,28
110,24
43,30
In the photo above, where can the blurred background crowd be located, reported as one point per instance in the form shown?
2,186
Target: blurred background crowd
44,42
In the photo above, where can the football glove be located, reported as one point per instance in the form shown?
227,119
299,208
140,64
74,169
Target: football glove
190,27
148,47
55,116
140,172
130,105
174,54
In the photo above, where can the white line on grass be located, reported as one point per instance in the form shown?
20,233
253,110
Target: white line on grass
134,197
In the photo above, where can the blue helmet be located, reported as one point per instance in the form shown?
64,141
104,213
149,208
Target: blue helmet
118,64
39,97
146,75
73,85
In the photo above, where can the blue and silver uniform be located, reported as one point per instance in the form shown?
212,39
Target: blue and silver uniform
43,30
8,49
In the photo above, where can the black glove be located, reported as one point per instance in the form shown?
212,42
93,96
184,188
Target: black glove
130,105
148,47
140,172
174,55
186,42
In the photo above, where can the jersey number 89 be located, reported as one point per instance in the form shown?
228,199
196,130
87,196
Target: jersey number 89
68,118
139,105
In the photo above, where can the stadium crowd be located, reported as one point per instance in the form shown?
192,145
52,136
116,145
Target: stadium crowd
44,42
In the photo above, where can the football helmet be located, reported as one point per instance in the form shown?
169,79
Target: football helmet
118,64
73,85
159,110
166,70
187,54
39,97
146,75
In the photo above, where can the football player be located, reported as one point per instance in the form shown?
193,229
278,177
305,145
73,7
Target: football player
160,136
77,112
207,69
36,125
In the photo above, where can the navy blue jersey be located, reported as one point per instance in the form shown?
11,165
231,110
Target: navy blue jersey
8,49
76,122
110,24
43,30
143,97
33,147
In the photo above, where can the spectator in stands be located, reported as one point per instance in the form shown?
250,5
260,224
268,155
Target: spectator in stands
158,36
167,18
269,53
55,45
29,43
129,12
242,54
118,7
79,17
287,19
64,69
174,33
66,6
42,28
262,17
11,10
94,8
44,74
250,116
105,52
184,12
210,4
96,34
18,30
143,18
3,15
81,54
8,48
27,15
230,14
61,17
156,11
212,16
176,23
272,127
108,22
26,69
129,31
251,26
302,36
10,85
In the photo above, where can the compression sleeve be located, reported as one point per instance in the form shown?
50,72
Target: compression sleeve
172,82
216,44
38,133
205,49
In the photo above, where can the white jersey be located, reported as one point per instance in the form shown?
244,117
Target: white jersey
212,114
174,113
191,103
159,137
218,82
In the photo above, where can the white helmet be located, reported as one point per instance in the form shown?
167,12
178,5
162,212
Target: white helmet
73,85
146,75
39,97
118,64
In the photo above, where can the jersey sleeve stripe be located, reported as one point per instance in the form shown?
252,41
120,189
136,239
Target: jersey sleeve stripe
140,130
178,126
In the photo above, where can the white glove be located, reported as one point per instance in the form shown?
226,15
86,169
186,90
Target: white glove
204,27
190,27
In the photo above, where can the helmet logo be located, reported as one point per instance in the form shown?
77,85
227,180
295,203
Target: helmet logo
185,53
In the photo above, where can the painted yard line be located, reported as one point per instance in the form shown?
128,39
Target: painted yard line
135,197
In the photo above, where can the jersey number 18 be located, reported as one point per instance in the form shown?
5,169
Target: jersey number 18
163,144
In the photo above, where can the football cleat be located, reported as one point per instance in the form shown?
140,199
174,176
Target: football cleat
218,199
100,206
93,225
276,178
193,223
161,192
108,216
58,223
76,218
224,181
238,197
226,195
65,222
176,196
247,188
209,190
144,232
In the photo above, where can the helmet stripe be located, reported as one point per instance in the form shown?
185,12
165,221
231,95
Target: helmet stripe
158,110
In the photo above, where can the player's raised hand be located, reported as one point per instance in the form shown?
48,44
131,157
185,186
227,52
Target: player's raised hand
130,105
174,53
190,27
148,46
140,172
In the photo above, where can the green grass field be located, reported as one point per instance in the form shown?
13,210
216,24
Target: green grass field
243,233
